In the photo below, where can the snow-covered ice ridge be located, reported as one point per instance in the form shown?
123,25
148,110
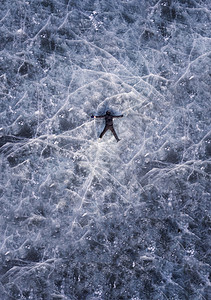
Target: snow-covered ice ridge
87,220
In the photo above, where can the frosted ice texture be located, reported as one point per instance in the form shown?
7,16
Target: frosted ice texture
82,219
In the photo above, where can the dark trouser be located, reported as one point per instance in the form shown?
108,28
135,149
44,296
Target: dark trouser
112,130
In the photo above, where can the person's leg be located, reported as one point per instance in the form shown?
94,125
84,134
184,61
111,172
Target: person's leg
103,132
114,133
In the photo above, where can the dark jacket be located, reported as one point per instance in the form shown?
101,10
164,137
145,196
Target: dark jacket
109,119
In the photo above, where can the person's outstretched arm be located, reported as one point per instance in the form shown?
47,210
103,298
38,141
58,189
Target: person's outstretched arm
118,116
97,116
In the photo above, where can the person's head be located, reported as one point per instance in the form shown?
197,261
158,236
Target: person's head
108,112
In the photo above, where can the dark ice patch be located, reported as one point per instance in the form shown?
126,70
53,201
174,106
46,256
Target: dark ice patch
65,124
14,161
47,42
147,35
172,157
18,157
24,68
66,33
167,11
6,40
164,238
28,69
8,139
194,176
208,148
163,30
26,131
42,62
171,225
47,151
14,292
129,19
156,276
33,255
48,4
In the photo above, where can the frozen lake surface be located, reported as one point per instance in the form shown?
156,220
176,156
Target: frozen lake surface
83,219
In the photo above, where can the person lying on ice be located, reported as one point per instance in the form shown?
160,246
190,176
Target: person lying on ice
108,124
